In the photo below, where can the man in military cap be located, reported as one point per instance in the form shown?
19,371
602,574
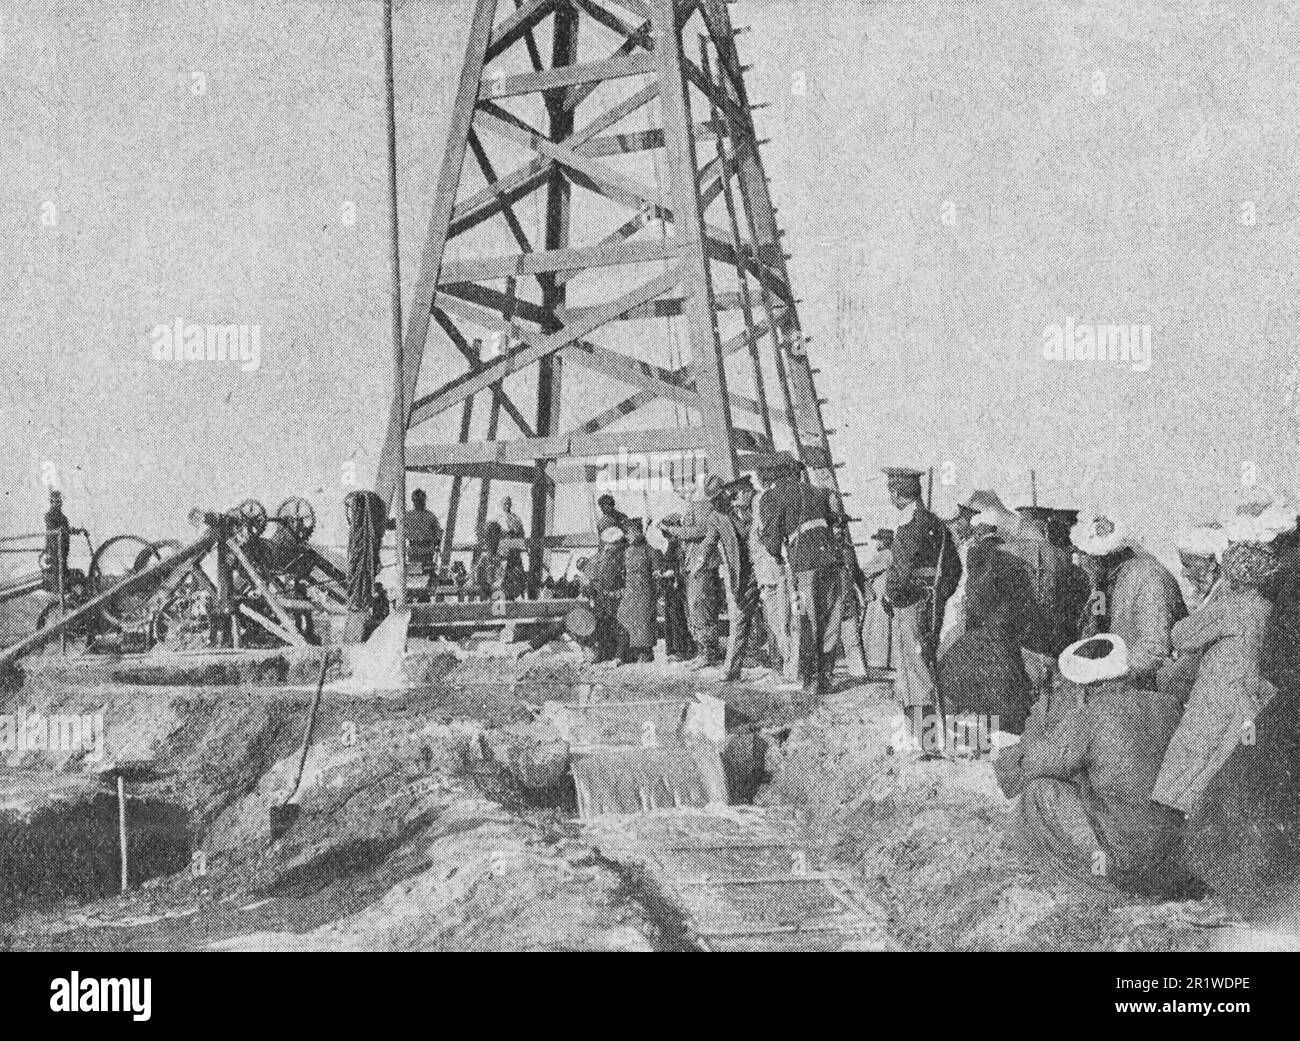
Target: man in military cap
1059,523
922,576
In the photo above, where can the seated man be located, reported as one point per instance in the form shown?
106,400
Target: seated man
423,534
1085,769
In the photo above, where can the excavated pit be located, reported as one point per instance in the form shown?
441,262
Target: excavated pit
70,849
443,817
422,822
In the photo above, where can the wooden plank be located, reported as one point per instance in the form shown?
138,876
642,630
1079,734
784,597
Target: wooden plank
454,334
494,471
602,14
271,597
464,612
643,397
742,278
615,185
459,389
706,352
561,113
583,72
276,630
521,450
151,573
583,258
523,20
417,327
491,200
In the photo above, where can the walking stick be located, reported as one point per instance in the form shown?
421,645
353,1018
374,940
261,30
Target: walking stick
933,639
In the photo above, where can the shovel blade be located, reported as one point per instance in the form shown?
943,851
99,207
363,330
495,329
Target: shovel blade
283,818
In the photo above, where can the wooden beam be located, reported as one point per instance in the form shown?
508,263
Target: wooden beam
614,185
474,269
512,472
523,20
161,567
642,398
272,598
688,217
527,450
471,383
548,79
417,328
476,612
277,630
498,392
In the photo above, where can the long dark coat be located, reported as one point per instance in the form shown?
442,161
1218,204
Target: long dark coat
984,670
638,608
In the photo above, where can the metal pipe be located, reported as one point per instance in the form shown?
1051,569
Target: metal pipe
121,830
59,562
399,360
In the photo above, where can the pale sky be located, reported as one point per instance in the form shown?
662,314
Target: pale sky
953,179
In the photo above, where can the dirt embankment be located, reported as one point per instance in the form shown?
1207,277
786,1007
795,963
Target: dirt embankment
409,835
934,843
412,835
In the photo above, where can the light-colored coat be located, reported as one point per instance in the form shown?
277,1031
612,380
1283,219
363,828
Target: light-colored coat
1228,631
1145,602
701,552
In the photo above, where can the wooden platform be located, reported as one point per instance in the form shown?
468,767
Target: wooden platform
745,880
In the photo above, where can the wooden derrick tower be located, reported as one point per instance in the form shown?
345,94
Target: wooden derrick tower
603,272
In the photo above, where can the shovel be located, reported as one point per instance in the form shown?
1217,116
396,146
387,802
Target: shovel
282,818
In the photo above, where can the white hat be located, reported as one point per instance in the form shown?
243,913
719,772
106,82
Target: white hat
1082,669
988,519
1271,520
1098,533
1202,540
612,534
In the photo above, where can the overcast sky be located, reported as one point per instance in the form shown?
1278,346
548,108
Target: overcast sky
954,179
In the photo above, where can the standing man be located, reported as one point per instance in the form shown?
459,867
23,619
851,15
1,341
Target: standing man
770,575
423,532
797,520
702,561
512,529
730,528
58,540
637,611
671,571
608,577
922,576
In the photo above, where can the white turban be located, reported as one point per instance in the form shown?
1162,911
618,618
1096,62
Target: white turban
1260,521
1099,533
1082,670
1202,540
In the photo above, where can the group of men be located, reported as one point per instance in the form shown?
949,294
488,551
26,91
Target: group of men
1158,737
498,565
769,551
